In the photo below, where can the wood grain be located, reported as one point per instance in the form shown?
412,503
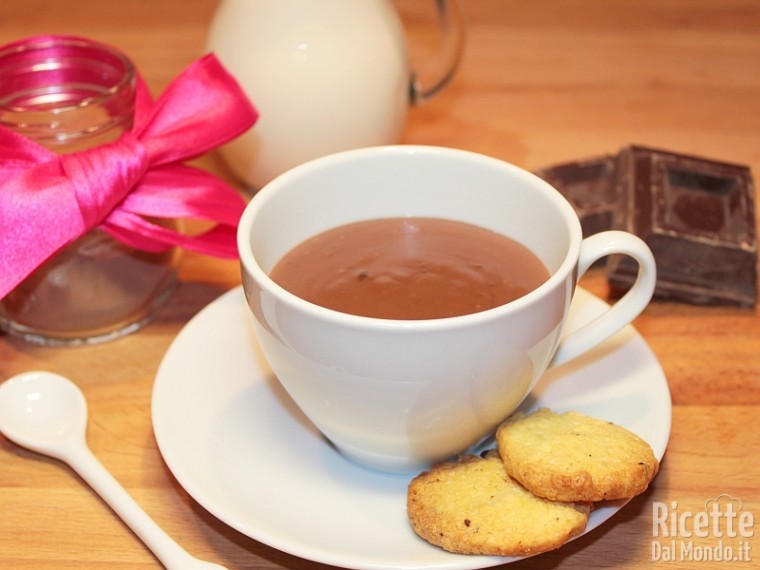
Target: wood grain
540,83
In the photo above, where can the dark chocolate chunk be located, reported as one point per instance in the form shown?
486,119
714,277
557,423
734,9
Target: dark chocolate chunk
590,187
697,216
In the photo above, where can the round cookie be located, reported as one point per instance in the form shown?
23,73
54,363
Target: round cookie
572,457
473,507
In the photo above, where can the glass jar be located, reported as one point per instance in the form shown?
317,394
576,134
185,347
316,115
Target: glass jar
70,94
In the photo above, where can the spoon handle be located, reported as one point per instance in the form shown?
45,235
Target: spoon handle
168,552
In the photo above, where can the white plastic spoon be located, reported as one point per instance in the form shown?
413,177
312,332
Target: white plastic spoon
47,413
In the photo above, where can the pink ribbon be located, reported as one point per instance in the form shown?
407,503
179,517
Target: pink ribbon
48,200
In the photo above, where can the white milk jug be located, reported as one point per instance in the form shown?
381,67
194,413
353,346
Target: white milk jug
325,75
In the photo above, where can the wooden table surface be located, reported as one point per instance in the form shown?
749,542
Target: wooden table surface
540,83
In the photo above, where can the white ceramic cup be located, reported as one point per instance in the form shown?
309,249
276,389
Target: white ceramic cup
399,395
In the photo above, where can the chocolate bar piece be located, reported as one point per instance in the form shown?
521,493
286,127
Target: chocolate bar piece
697,216
590,187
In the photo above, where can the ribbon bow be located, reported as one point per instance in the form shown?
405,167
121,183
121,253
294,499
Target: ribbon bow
48,200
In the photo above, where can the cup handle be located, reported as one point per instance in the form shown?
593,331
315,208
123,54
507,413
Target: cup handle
452,44
627,308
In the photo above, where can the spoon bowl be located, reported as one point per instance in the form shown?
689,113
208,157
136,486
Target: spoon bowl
42,411
47,413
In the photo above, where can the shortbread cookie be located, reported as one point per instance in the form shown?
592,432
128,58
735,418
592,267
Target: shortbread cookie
473,507
572,457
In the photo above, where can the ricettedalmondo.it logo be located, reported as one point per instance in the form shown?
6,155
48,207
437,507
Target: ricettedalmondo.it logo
721,532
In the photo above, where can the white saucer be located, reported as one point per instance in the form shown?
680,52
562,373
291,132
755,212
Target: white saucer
239,446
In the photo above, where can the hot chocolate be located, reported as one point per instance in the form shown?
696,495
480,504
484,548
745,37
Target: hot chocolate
409,268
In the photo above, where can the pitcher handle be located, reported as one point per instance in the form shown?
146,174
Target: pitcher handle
452,43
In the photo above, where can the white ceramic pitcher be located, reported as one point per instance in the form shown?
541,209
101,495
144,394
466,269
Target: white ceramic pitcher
325,75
